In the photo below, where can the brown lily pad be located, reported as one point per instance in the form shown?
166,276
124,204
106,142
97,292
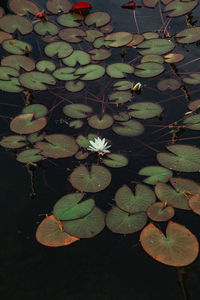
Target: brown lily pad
25,124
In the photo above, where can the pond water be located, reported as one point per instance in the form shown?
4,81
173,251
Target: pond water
109,265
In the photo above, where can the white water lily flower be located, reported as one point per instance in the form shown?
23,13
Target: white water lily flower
99,145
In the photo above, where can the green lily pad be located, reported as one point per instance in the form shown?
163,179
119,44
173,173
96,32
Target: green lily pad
17,48
83,141
36,80
99,42
119,39
194,105
46,27
25,124
13,141
184,158
120,97
193,122
145,110
65,73
12,85
99,54
129,128
18,61
81,155
159,212
169,83
70,20
115,160
194,203
77,110
119,221
147,70
150,35
177,194
121,116
72,35
60,48
136,39
178,247
90,181
119,70
152,58
38,110
7,72
36,137
70,207
5,36
1,12
123,85
78,56
107,28
76,124
100,123
127,201
179,8
55,6
86,227
188,36
23,7
49,233
92,35
156,46
29,156
155,173
99,18
11,23
57,146
72,86
194,78
45,65
90,72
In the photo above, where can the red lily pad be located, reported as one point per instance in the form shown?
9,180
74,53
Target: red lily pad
25,124
159,212
49,233
194,203
178,247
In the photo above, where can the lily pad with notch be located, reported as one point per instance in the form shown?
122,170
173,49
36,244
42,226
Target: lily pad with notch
29,156
99,18
77,57
179,8
73,87
72,35
23,7
25,124
70,20
114,160
38,110
59,48
156,174
18,61
77,110
45,65
90,72
128,128
192,122
119,39
119,70
65,73
36,80
155,46
17,48
99,54
120,97
55,6
194,203
103,122
145,110
44,28
158,212
11,23
13,141
148,69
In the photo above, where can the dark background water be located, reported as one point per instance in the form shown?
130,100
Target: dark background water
108,266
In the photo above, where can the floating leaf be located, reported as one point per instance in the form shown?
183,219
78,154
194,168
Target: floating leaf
84,142
188,36
123,85
107,28
11,23
90,181
156,46
49,233
119,39
65,73
119,70
159,212
46,27
150,3
90,72
194,78
17,48
11,85
38,110
7,72
194,203
78,56
36,80
71,35
88,226
57,146
178,195
145,110
72,86
29,156
70,207
76,124
194,105
115,160
120,97
77,110
121,116
152,58
129,128
136,39
45,65
99,54
55,6
60,48
155,173
179,8
147,70
35,137
100,122
185,158
13,141
92,35
23,7
169,83
173,58
81,155
5,36
25,124
193,122
127,201
18,61
150,35
99,42
70,20
99,18
178,248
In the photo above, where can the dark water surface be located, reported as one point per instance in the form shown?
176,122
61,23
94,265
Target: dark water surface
108,266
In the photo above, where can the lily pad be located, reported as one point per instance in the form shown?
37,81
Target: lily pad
38,110
70,207
86,227
77,110
7,72
119,70
184,158
127,201
119,39
11,23
77,56
123,85
36,137
194,105
13,141
65,73
156,174
36,80
100,123
173,58
156,46
5,36
194,78
73,87
45,65
145,110
177,195
60,48
120,97
92,35
56,6
29,156
193,122
83,141
46,27
194,203
18,61
81,155
150,35
152,58
119,221
188,36
90,181
17,48
12,85
71,35
121,116
23,7
178,247
57,146
115,160
99,42
49,233
129,128
149,69
99,18
90,72
159,212
99,54
76,124
179,8
169,83
70,20
25,124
